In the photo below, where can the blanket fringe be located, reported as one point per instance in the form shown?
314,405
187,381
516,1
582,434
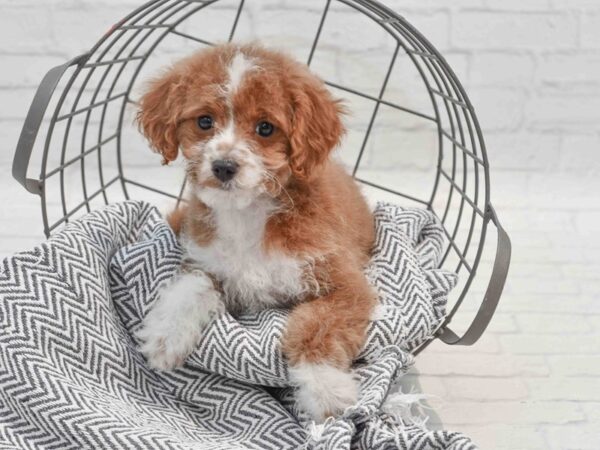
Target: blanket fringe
407,408
315,430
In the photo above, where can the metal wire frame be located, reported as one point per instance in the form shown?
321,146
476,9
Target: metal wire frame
133,40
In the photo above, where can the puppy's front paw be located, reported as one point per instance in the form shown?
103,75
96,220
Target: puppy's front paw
324,390
165,351
173,327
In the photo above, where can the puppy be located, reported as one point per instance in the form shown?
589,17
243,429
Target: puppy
271,221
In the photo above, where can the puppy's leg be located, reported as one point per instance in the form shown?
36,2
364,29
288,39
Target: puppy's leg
322,339
173,327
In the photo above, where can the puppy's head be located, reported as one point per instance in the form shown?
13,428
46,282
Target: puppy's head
247,120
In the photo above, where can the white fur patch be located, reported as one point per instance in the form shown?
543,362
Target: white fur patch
251,278
226,145
173,327
323,389
226,137
240,65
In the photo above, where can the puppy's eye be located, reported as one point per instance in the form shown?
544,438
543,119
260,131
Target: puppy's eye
205,122
264,129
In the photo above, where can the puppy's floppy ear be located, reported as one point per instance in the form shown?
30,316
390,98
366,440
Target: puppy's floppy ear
317,127
160,112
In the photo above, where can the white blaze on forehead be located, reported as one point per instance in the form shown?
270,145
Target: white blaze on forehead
227,135
227,144
238,67
226,139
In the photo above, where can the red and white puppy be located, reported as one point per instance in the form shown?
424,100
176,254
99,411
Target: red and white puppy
271,221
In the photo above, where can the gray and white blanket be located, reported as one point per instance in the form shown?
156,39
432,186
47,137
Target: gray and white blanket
71,375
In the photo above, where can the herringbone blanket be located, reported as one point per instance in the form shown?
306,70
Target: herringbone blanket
71,375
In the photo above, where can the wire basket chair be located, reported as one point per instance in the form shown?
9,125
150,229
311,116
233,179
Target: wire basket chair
91,154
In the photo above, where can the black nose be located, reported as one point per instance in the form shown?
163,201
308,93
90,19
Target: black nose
224,169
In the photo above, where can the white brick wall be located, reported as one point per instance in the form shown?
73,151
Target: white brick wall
532,70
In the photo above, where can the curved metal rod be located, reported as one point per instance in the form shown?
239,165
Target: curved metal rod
32,124
80,60
369,9
448,71
134,76
167,9
455,123
490,300
492,295
442,85
74,112
110,65
462,95
444,89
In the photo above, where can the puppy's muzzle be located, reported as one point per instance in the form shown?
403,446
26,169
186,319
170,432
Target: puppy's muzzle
224,169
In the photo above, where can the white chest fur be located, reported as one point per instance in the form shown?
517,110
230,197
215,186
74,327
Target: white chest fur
252,279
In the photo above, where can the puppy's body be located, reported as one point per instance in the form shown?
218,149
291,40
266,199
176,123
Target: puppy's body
251,276
276,251
271,219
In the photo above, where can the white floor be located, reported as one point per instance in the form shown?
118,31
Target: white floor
533,381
